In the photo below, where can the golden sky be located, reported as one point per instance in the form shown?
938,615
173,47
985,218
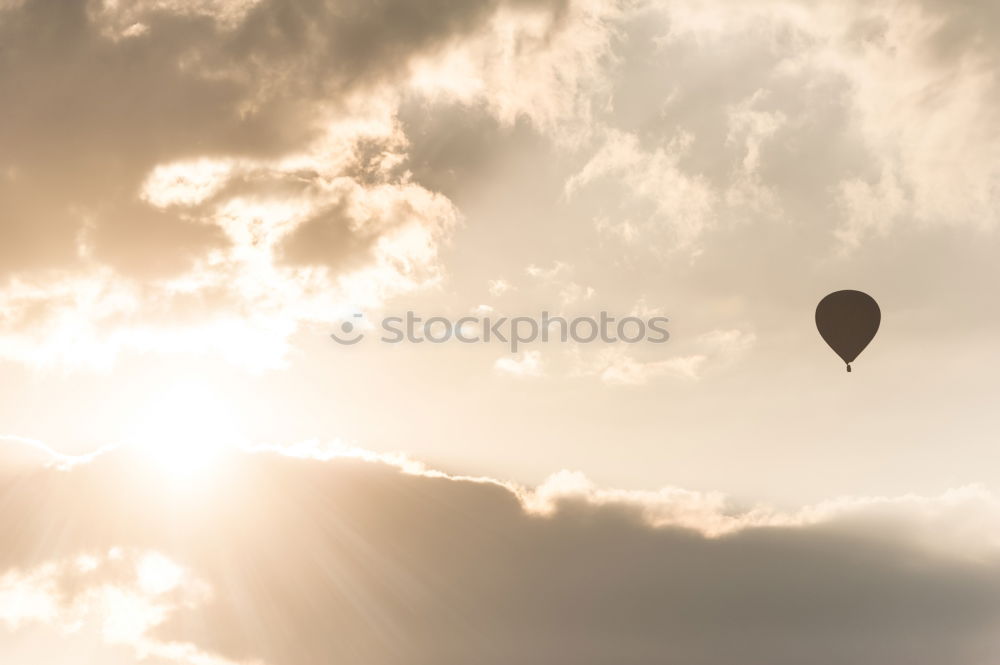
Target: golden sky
194,194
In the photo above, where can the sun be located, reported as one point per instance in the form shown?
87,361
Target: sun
184,429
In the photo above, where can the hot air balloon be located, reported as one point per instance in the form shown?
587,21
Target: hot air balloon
848,321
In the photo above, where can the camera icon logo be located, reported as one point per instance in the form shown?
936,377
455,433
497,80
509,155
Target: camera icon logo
347,328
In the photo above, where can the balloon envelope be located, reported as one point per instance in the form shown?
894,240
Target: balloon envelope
848,321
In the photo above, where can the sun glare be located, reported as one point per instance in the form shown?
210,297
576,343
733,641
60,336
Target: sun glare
185,429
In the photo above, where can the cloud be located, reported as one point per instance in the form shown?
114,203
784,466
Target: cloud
665,194
527,364
915,93
851,118
242,167
616,367
18,453
112,601
129,20
235,166
547,63
498,287
711,351
290,560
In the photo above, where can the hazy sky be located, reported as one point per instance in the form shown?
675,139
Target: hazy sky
195,193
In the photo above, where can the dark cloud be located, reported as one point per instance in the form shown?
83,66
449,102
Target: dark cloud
357,41
333,239
89,111
963,28
357,562
139,239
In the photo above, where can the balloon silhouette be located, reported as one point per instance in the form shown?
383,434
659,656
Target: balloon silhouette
848,321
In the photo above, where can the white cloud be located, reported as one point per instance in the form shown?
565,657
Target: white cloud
114,599
383,241
557,269
186,183
526,364
550,67
498,287
615,366
119,18
917,86
619,366
679,202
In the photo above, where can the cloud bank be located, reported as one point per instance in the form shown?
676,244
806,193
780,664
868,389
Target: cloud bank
294,560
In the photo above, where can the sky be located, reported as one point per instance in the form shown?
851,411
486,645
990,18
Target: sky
196,194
